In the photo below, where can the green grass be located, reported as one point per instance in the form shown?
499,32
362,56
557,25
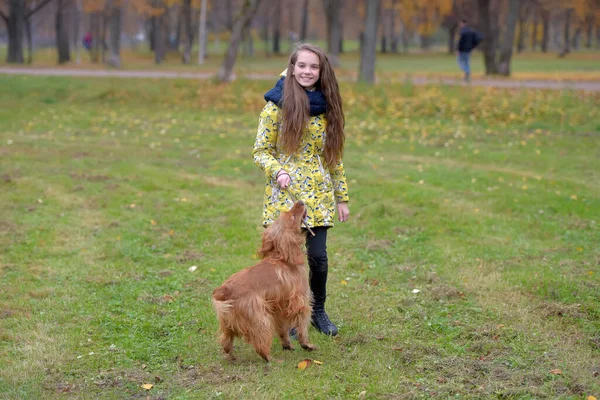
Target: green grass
486,200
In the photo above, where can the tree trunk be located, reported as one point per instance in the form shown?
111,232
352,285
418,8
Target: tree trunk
16,29
506,47
179,28
114,40
489,27
523,12
186,22
96,38
277,28
240,29
160,40
393,36
576,37
334,29
567,34
589,30
545,30
202,33
150,28
304,25
368,49
62,35
102,36
451,35
78,31
29,36
534,32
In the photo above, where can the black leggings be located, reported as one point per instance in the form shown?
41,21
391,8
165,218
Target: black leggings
316,248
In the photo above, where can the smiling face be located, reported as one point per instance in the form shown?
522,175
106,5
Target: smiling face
307,68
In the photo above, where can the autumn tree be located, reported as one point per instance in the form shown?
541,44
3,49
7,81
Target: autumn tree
17,19
333,18
369,44
240,29
497,49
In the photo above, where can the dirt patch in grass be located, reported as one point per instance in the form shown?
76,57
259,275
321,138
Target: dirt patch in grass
553,309
196,375
190,255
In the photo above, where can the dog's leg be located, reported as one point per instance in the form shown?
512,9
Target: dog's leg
262,346
227,342
284,334
302,322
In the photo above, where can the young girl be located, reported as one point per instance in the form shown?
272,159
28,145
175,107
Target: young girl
299,146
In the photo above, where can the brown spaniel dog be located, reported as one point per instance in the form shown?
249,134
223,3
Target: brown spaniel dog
271,296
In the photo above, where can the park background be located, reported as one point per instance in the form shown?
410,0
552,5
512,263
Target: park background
470,265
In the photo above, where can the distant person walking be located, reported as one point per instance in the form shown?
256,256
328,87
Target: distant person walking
469,39
87,41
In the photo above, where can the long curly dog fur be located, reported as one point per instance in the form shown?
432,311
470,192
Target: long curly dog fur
272,296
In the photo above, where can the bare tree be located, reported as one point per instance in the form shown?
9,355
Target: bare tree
523,16
17,25
534,33
186,26
545,30
277,28
114,34
369,44
506,47
240,29
304,24
489,27
202,33
334,29
567,42
62,33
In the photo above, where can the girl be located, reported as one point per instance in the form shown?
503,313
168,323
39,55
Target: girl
299,146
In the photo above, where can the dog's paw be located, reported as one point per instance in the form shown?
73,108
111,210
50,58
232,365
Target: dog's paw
288,347
309,347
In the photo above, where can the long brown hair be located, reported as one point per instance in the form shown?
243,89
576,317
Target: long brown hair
296,108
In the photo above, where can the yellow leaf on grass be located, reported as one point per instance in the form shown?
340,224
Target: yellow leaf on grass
556,371
147,386
590,398
153,222
318,362
304,363
343,282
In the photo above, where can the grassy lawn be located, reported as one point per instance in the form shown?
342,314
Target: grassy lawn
469,269
437,63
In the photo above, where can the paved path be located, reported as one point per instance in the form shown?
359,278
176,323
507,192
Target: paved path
593,86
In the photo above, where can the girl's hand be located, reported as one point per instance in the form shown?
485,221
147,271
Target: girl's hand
283,179
343,212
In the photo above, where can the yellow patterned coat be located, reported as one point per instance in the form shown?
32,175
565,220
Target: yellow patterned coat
319,187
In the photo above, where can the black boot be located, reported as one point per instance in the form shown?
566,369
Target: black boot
320,320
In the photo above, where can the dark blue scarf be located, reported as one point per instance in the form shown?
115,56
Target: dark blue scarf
318,103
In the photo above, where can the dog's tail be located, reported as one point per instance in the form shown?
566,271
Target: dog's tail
221,300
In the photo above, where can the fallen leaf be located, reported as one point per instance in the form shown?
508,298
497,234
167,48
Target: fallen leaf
192,268
362,394
556,372
590,398
147,386
304,363
318,362
343,282
153,222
